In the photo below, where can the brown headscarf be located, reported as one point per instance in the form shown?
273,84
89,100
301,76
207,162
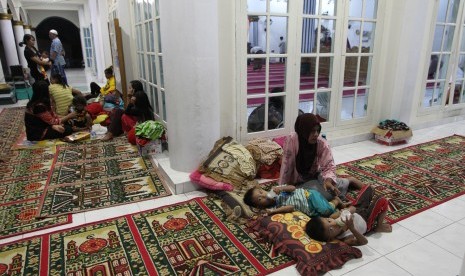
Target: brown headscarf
304,124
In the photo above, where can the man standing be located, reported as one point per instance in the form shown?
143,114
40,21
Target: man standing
57,56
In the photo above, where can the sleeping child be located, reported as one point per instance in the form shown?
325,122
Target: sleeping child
285,199
367,214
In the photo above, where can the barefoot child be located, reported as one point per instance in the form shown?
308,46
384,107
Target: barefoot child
285,199
367,214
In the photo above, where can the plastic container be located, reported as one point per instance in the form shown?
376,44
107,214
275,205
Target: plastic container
345,214
271,194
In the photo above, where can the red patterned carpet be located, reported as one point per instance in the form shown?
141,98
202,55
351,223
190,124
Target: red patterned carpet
188,238
414,178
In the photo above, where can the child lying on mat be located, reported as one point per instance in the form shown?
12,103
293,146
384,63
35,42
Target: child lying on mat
285,199
367,214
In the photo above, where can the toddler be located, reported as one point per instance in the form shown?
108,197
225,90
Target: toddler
82,120
285,199
367,214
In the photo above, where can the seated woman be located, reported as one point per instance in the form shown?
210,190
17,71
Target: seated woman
40,120
96,90
308,162
139,110
61,95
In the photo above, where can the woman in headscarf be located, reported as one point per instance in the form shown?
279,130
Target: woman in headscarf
308,163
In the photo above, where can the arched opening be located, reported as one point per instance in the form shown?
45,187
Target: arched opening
69,36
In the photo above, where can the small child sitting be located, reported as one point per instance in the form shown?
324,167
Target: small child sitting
82,120
112,100
285,199
367,214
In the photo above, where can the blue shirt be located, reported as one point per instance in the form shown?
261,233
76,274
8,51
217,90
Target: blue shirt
57,47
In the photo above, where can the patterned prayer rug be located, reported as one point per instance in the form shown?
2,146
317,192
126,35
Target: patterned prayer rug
414,178
188,238
99,174
23,175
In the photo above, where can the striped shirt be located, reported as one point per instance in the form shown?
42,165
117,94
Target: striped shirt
307,201
62,96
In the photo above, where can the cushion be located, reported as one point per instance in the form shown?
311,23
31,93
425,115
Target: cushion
287,234
209,183
264,151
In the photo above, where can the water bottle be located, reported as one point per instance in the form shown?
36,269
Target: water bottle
345,215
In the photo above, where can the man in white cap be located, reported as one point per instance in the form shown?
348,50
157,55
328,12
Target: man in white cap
57,55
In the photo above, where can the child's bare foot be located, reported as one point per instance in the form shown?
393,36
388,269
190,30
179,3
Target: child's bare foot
384,227
108,136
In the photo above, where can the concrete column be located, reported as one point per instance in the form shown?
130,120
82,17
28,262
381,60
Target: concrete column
19,34
27,29
191,79
33,33
6,31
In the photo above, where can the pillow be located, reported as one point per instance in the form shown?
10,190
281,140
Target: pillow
287,233
209,183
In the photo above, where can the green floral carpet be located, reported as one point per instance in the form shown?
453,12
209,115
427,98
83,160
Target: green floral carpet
99,174
23,176
414,178
188,238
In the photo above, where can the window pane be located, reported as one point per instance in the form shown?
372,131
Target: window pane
325,68
462,43
256,114
163,101
453,9
309,31
147,35
162,81
256,6
311,7
276,112
350,71
449,36
256,76
278,31
353,34
157,7
157,104
150,61
306,103
154,69
437,41
444,60
277,75
361,103
365,66
368,35
307,73
347,104
257,34
328,8
159,36
322,105
355,8
442,11
371,6
328,29
278,6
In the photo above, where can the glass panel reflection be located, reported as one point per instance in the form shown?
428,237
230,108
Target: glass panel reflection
361,103
444,61
278,6
442,11
368,36
162,81
453,9
365,65
449,36
353,36
256,6
277,75
256,76
328,8
311,7
328,29
355,8
322,105
325,68
350,71
309,35
438,38
371,7
306,101
278,37
257,34
163,98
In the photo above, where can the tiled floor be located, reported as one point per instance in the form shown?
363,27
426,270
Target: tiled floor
429,243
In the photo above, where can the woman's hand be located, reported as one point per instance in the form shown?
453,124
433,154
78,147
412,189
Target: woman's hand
58,128
328,186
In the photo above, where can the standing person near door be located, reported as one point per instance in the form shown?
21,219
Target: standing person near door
282,48
57,55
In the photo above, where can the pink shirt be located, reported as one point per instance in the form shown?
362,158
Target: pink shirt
324,162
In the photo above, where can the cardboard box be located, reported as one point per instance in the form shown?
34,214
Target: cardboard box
391,137
78,136
151,148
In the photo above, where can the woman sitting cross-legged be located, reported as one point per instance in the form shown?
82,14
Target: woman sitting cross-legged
40,120
138,110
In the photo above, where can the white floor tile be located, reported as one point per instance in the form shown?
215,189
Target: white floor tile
453,209
379,267
450,238
112,212
385,243
158,202
425,258
368,255
425,223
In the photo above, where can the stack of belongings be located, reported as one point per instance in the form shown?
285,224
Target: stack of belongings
148,136
392,132
267,155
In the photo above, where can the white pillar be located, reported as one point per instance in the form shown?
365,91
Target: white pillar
33,33
190,43
19,34
27,29
6,31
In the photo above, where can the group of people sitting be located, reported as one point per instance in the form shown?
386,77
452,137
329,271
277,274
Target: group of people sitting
57,110
308,183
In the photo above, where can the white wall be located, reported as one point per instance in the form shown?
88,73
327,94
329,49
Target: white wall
37,16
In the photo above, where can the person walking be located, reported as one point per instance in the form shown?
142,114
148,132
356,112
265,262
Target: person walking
57,55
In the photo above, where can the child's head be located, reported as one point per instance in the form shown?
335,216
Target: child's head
322,229
256,197
79,103
44,54
109,72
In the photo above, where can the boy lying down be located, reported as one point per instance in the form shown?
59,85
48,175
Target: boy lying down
326,222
